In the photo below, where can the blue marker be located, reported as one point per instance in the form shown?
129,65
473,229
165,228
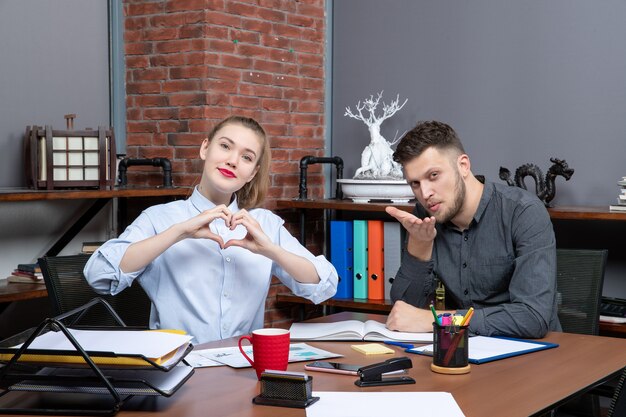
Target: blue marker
400,344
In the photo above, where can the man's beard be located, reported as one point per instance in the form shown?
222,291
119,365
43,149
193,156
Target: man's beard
459,197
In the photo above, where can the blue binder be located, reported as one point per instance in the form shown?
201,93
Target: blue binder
360,258
341,256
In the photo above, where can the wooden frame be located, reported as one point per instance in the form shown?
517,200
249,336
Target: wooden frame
69,158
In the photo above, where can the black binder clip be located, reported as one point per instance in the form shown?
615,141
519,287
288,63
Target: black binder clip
372,375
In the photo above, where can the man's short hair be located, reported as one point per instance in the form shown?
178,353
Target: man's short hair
425,135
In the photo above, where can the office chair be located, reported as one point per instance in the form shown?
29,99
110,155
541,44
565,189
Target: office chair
618,403
68,289
580,276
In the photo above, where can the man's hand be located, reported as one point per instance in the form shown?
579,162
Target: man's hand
406,318
421,232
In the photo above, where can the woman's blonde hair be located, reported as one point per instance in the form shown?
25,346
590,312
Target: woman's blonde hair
253,193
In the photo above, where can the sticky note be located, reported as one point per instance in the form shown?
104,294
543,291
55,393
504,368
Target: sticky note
372,349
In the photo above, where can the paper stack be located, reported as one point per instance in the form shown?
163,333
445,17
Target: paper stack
621,198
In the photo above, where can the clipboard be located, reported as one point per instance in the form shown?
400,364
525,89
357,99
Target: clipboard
483,349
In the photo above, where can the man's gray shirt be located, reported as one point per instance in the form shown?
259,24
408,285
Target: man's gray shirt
504,265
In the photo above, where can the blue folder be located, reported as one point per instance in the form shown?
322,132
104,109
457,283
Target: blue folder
499,348
341,256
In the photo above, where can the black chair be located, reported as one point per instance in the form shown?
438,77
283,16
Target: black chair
68,289
618,404
580,276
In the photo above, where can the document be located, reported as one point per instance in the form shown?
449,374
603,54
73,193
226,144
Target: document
158,346
370,330
376,404
486,349
232,357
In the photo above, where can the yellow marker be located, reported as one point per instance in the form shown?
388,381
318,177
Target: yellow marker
468,316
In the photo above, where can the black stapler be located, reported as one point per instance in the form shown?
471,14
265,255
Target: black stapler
372,375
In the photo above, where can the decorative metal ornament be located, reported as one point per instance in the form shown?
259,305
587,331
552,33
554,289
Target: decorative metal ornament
544,187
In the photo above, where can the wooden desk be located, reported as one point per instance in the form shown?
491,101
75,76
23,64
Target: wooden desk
521,386
18,292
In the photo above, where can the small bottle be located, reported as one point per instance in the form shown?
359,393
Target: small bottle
440,296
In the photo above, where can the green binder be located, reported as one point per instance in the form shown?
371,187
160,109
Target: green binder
360,258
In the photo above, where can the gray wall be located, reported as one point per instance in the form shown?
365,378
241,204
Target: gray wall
55,61
520,81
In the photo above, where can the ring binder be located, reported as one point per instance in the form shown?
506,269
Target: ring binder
87,372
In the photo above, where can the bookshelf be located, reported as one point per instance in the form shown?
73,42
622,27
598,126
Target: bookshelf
560,213
24,194
100,198
332,206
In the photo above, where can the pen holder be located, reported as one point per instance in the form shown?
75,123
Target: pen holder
450,349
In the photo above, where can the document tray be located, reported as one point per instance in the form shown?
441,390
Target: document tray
81,374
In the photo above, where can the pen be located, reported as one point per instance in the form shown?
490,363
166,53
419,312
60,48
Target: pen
432,308
400,344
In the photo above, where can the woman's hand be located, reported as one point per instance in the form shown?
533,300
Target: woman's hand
198,227
256,241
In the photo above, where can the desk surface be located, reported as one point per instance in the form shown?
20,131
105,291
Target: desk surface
20,291
519,386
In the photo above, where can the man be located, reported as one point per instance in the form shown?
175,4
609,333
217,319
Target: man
491,245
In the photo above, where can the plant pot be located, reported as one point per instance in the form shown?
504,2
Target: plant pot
362,191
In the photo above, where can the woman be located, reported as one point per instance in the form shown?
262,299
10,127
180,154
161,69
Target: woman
206,262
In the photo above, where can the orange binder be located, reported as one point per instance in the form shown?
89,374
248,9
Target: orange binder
375,260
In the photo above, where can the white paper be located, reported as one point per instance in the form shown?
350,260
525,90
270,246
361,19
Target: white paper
377,404
197,359
151,344
231,356
483,347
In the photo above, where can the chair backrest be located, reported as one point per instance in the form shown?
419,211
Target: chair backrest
68,289
580,275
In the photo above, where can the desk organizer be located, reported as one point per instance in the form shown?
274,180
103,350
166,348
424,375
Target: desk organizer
104,379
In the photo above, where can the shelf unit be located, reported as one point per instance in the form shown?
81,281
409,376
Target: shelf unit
579,213
560,213
100,196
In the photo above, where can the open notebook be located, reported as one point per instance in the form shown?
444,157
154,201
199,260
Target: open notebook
369,330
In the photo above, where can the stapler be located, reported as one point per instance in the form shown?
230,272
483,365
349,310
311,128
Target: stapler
372,375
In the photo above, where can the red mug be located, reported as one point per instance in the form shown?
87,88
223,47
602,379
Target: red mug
270,349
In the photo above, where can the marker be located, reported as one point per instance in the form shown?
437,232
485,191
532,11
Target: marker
468,316
457,319
432,308
399,344
446,319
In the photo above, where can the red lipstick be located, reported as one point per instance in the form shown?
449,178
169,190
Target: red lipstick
227,173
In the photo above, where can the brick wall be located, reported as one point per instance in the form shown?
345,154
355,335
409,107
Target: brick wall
190,63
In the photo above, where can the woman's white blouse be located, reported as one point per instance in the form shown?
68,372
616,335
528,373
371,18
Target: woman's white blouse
198,287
